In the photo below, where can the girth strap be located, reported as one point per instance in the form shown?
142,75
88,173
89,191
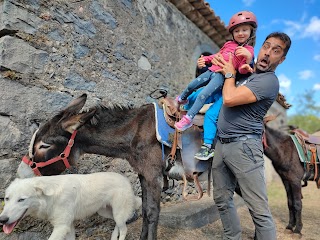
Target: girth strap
313,160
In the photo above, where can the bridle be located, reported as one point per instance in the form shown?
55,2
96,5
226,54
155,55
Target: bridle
62,156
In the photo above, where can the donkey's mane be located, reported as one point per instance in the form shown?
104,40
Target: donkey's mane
277,133
113,113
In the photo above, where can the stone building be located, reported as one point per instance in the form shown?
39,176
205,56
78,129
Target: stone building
116,51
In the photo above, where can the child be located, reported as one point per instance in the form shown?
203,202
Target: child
242,26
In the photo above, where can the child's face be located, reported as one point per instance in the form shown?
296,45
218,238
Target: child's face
242,33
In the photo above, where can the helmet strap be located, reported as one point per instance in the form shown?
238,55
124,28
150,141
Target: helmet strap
252,37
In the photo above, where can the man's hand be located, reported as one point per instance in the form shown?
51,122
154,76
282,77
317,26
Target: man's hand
233,95
201,63
226,67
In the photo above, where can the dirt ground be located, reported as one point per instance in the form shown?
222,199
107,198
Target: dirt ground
278,204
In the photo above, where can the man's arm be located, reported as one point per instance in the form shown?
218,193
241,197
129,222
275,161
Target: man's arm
232,95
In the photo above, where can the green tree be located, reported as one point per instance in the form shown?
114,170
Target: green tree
309,123
308,113
307,105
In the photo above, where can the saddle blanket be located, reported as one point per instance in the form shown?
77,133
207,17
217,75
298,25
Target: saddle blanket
191,141
302,156
164,131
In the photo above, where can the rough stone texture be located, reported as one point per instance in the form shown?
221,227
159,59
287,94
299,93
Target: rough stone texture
19,56
190,215
7,167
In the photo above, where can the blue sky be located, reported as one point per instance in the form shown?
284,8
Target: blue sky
300,19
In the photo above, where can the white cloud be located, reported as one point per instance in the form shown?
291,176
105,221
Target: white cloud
285,83
248,2
317,57
306,74
313,28
316,87
304,30
293,28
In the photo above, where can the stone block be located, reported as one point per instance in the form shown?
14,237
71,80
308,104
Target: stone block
17,55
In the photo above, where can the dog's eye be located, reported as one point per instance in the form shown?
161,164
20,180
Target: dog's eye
21,200
6,199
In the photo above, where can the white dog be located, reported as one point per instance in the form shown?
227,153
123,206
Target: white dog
64,198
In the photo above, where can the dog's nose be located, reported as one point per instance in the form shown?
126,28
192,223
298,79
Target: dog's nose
3,219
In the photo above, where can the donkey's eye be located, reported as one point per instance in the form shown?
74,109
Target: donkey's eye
21,199
44,146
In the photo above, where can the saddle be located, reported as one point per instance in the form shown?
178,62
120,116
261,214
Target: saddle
189,142
172,112
310,143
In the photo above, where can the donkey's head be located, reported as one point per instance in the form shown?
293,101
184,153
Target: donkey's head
51,148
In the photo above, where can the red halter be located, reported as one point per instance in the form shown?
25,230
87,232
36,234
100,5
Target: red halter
63,156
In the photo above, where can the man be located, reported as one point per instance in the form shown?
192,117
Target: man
239,150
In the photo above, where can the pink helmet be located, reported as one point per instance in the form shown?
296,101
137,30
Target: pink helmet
241,18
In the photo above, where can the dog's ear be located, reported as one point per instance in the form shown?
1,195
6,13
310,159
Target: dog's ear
44,190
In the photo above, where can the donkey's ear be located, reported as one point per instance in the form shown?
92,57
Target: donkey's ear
75,122
76,104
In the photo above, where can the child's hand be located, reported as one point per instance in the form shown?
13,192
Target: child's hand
201,63
246,67
243,52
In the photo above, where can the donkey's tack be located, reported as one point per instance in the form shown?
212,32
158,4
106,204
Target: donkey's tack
191,143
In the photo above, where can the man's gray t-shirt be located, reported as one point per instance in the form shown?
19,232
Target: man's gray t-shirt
248,118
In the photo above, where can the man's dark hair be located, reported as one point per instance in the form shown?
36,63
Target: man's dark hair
282,36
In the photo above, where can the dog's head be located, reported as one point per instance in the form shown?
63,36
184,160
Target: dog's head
22,198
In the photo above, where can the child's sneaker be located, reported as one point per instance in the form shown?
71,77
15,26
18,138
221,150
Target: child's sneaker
180,101
205,153
184,123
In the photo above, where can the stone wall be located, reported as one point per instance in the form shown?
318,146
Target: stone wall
115,51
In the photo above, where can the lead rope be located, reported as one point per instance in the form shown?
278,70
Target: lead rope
171,158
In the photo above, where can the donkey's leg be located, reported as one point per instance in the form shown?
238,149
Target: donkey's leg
297,205
144,232
293,189
151,192
292,220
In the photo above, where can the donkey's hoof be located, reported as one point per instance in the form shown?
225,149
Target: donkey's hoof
288,231
296,236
